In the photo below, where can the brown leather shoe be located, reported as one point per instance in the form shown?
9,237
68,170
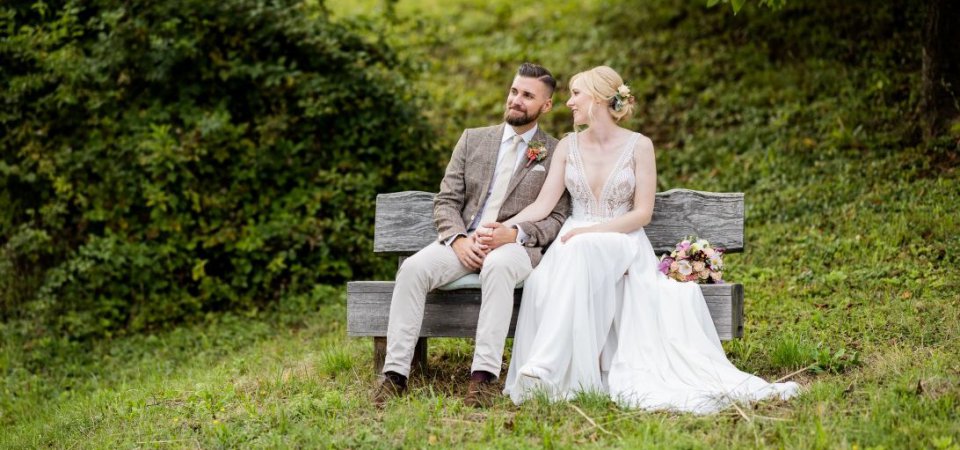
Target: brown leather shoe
482,394
386,390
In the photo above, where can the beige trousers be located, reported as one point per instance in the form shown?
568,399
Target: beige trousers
437,265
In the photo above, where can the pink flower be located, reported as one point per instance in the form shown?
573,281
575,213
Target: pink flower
698,266
716,277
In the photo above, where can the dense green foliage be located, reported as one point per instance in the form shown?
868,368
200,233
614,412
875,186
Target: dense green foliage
737,5
849,268
164,159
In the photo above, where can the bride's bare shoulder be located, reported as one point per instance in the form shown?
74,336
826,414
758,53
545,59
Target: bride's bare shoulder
567,138
643,148
644,143
565,142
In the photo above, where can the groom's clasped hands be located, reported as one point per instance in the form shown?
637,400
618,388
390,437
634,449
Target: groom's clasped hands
472,249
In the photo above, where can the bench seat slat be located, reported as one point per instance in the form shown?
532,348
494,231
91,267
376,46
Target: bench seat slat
454,313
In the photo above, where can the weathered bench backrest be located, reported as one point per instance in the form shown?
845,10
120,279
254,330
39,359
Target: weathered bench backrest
404,220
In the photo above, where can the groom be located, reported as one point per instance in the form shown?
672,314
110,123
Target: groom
487,180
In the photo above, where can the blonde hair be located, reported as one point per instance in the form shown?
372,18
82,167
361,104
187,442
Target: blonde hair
601,83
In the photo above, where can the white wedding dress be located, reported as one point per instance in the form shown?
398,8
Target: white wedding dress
644,339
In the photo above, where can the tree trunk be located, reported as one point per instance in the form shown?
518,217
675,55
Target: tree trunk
941,67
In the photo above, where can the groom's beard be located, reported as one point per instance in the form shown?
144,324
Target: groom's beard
521,120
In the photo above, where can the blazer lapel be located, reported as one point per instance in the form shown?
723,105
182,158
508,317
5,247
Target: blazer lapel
524,168
487,153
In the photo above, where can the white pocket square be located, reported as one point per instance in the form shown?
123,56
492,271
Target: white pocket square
538,168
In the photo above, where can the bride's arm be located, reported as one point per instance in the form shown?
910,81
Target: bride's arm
550,192
645,172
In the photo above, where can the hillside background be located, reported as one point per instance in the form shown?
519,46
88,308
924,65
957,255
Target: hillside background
209,311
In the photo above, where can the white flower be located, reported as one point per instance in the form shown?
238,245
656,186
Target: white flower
684,267
623,90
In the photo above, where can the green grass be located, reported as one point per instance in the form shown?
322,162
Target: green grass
850,268
304,384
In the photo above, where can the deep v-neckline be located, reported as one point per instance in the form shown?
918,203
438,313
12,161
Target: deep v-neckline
606,182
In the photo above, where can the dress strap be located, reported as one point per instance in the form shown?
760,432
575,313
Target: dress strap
628,150
633,142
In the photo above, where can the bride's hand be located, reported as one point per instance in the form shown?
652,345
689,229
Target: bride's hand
575,232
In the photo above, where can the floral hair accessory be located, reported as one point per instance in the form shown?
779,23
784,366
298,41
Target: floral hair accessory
536,151
694,260
621,98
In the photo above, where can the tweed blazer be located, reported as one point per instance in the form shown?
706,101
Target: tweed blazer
467,180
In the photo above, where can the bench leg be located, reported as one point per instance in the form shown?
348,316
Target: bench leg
379,354
419,362
420,356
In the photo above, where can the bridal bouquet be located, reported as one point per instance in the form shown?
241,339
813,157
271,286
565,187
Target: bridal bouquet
694,260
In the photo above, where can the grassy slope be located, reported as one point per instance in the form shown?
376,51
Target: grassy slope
850,265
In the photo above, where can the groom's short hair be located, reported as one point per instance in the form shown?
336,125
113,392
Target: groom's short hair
531,70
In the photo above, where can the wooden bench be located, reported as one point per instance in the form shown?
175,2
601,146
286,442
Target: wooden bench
404,225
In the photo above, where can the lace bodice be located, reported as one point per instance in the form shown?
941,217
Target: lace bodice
616,196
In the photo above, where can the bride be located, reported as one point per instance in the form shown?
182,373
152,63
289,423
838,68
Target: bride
597,315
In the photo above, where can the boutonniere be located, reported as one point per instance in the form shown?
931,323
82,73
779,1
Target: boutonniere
536,151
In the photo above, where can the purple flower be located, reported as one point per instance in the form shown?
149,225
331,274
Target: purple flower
665,265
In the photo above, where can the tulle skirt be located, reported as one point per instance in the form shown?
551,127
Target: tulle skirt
598,316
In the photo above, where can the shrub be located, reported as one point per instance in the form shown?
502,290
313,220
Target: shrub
163,159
